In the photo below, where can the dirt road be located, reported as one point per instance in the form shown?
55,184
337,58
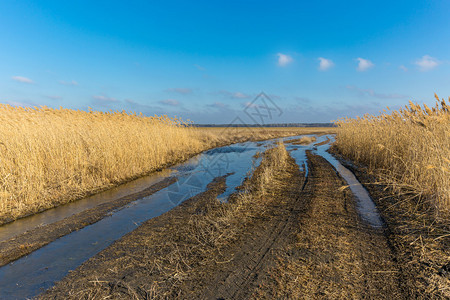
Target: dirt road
314,246
301,238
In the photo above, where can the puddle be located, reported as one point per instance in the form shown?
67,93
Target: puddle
12,229
366,207
231,149
298,152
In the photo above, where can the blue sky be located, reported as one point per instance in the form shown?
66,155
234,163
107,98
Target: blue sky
206,61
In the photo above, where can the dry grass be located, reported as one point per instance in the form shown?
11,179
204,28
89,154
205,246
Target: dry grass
409,150
240,134
53,156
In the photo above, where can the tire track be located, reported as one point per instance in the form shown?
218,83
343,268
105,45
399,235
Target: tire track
238,278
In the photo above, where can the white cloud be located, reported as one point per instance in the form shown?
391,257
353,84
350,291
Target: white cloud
218,105
403,68
73,82
364,64
171,102
240,95
325,64
302,99
16,103
104,98
144,108
22,79
427,63
284,59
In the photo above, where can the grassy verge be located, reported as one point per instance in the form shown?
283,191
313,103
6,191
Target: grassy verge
49,157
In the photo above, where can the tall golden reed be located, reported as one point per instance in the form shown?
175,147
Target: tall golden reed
50,156
408,149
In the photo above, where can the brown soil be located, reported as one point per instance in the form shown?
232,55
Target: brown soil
297,239
36,238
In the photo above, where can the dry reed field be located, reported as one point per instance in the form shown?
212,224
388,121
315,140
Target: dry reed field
53,156
408,149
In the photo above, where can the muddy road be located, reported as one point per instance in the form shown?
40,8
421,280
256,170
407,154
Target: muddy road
303,237
261,224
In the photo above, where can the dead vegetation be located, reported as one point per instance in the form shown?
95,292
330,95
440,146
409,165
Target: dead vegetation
402,159
217,226
281,237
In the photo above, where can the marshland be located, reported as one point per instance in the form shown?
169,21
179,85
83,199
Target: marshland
224,150
264,208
